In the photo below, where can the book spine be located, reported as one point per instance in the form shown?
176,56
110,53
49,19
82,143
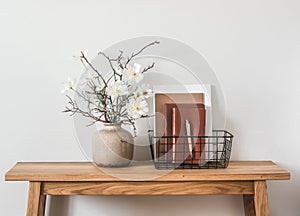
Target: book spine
174,139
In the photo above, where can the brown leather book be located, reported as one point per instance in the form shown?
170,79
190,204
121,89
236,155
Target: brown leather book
185,150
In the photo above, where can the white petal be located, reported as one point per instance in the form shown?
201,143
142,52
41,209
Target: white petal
139,78
137,67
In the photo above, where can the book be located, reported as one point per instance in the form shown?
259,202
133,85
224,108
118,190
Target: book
160,116
185,120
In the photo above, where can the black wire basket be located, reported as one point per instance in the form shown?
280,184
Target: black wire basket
191,152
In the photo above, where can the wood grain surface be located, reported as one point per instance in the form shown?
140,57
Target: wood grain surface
86,171
249,207
261,198
83,178
147,188
36,200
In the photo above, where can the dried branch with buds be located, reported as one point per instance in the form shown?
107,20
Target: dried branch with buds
117,99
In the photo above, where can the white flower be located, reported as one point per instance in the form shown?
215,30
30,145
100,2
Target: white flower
117,88
137,108
143,92
133,73
69,85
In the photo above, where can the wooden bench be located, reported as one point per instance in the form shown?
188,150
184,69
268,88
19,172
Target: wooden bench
83,178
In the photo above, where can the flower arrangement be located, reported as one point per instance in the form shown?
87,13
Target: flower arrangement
116,98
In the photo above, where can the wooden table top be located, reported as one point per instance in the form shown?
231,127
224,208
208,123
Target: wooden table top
86,171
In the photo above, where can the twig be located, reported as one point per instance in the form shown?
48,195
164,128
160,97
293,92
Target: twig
131,122
148,68
120,57
110,63
93,68
104,109
139,52
75,109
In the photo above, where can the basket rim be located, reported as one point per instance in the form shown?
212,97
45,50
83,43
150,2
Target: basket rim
226,134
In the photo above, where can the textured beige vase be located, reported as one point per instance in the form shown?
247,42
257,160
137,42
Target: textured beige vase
112,146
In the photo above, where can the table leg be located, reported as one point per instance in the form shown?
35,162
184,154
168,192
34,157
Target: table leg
36,200
249,205
257,204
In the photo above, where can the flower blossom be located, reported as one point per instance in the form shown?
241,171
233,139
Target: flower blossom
133,74
69,85
143,92
117,88
137,108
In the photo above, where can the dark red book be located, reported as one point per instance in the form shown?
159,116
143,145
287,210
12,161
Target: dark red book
185,150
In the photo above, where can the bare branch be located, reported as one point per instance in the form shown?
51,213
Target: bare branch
120,57
148,68
139,52
131,122
110,63
93,68
105,108
75,109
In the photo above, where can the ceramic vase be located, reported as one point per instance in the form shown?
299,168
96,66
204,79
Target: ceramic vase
112,146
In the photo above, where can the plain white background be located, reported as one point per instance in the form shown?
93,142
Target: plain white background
253,46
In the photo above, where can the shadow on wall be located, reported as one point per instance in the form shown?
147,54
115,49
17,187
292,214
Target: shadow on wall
57,205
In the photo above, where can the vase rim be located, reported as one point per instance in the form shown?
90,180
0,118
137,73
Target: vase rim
112,124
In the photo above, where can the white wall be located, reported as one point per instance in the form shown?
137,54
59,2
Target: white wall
254,47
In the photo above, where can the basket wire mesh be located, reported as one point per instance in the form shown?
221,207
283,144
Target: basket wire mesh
191,152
